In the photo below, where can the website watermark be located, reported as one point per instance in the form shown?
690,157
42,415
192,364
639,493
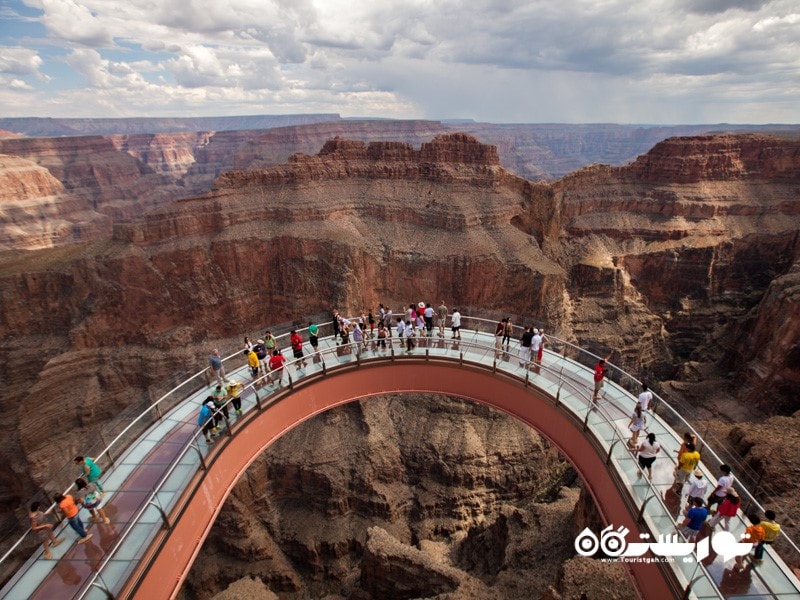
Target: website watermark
616,548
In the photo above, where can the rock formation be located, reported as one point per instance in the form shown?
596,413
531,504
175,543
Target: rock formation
679,262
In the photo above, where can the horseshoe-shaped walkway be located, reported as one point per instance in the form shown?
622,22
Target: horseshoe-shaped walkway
165,489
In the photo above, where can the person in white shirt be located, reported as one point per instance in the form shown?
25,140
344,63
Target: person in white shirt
697,488
645,398
455,320
723,483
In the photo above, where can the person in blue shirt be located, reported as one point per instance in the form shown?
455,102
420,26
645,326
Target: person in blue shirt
695,517
205,419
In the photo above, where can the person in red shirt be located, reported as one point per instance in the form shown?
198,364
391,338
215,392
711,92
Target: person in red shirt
297,348
66,504
276,363
600,371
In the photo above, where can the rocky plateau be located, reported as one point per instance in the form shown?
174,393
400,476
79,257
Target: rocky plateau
683,263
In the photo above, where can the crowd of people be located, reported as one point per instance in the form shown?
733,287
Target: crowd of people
421,320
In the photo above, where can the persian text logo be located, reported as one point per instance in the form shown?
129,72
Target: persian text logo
613,543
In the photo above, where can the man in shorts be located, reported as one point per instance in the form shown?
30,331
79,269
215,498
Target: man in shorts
455,325
441,315
276,363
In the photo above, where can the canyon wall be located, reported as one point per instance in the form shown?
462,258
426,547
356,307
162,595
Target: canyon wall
683,257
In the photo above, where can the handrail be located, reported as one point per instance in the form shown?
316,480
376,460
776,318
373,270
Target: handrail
562,379
661,402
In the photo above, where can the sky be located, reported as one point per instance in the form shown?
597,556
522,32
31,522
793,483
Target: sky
499,61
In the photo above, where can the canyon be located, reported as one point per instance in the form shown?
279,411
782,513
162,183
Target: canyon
126,258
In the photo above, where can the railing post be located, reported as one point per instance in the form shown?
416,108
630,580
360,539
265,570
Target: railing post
427,353
104,588
494,365
391,348
586,421
324,367
200,454
461,358
358,354
227,422
291,381
558,395
611,448
527,382
640,518
258,398
163,515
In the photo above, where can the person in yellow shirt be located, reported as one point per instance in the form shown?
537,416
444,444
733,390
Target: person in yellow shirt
687,463
771,532
253,363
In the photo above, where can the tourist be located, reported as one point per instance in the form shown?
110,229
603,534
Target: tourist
697,487
217,396
270,342
600,372
687,463
358,338
313,339
637,423
336,324
428,316
540,349
88,495
43,529
693,523
247,345
253,363
645,397
411,314
771,532
371,323
409,333
648,451
388,322
401,330
344,332
724,483
234,390
499,331
441,315
297,348
67,506
727,509
261,352
90,470
381,336
508,330
215,364
754,534
382,315
206,419
276,363
419,322
455,324
688,438
525,347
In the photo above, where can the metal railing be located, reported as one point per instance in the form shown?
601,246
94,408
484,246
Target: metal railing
472,347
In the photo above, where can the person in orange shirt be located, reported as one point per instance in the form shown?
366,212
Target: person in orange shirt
66,504
753,534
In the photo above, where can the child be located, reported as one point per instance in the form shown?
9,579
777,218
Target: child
88,496
43,529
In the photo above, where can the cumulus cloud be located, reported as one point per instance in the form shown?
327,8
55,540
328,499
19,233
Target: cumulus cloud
603,60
